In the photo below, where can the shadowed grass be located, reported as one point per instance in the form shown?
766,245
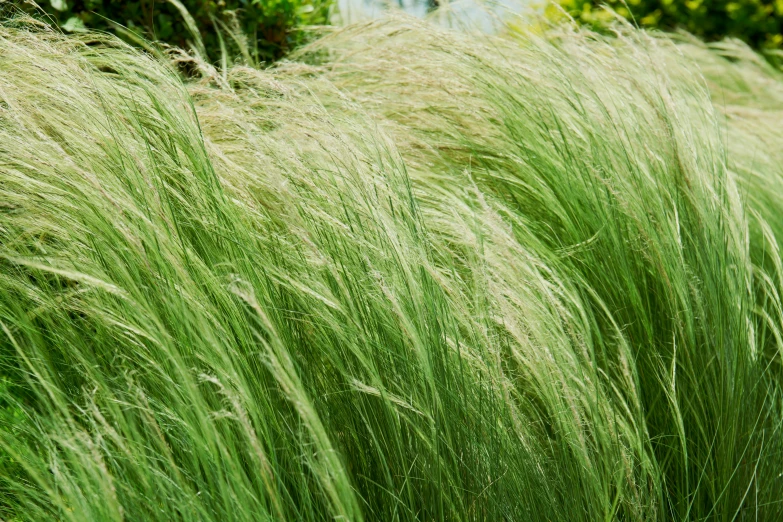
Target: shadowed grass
411,274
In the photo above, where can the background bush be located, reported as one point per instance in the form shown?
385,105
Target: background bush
266,26
757,22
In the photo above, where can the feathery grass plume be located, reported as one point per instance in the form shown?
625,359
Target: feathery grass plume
411,274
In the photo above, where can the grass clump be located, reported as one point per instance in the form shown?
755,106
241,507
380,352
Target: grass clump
408,274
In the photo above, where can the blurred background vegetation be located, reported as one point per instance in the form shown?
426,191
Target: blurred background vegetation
265,29
757,22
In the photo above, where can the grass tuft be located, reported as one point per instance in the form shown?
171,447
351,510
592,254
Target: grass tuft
409,274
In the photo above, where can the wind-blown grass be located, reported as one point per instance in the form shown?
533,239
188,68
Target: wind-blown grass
411,274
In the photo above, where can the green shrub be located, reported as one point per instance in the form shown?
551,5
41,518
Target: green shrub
757,22
264,28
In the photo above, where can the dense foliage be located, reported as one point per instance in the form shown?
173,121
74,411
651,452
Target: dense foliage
757,22
408,274
265,29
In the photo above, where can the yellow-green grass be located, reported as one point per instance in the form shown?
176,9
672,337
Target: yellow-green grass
409,274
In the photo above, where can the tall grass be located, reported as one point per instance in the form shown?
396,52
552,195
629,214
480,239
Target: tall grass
410,274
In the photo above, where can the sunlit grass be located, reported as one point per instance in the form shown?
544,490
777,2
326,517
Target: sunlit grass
409,274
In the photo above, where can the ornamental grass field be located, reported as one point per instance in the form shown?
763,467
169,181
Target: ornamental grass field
407,274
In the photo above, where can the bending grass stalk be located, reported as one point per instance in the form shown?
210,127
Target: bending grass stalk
410,274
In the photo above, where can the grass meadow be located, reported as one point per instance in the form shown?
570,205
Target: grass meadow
409,273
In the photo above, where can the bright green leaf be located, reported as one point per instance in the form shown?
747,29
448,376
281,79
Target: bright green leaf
60,5
74,25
